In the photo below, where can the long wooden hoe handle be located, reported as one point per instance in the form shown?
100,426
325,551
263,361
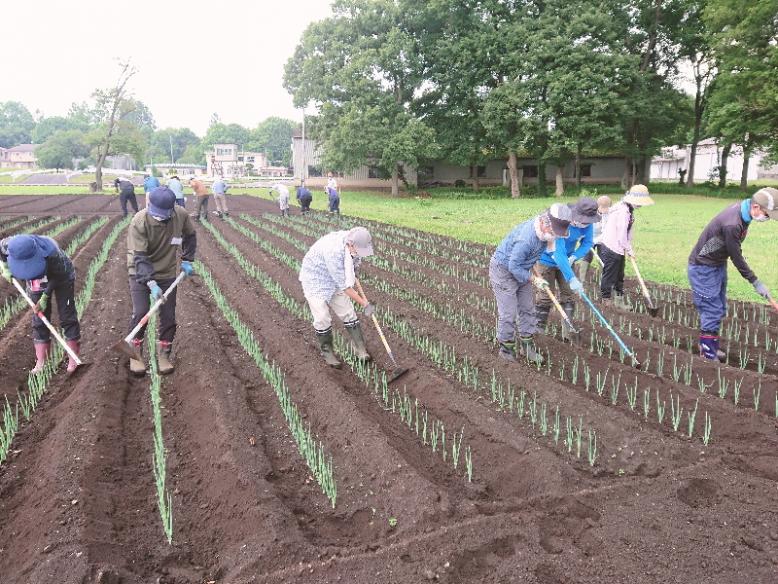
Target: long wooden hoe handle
45,321
558,306
377,326
643,286
154,308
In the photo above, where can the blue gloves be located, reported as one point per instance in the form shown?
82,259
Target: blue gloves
187,268
575,285
762,290
156,291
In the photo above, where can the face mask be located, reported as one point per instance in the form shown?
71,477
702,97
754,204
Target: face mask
548,237
762,218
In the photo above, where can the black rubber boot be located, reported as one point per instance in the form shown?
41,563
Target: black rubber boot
507,350
541,312
567,334
529,350
358,340
325,344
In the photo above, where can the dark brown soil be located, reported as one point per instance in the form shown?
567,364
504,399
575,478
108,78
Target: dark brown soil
78,501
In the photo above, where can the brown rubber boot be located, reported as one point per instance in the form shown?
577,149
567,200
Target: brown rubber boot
164,364
138,367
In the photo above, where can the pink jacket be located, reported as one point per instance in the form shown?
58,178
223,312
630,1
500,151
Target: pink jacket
615,235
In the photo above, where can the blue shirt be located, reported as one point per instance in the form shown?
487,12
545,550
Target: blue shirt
219,187
577,244
520,250
175,185
150,183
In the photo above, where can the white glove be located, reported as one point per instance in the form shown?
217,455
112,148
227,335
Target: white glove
571,260
539,283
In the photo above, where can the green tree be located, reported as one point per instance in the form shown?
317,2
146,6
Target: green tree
16,124
273,136
176,139
61,148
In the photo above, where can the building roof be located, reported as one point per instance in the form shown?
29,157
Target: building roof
24,148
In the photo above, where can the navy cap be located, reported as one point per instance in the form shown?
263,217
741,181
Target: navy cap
27,255
161,203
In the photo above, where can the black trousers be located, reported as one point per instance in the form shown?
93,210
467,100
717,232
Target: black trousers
124,198
612,272
141,303
305,204
64,294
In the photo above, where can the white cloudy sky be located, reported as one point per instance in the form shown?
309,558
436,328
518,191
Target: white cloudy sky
193,58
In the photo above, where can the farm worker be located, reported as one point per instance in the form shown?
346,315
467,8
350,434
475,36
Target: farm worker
201,199
174,184
126,192
603,208
283,198
332,194
305,198
328,276
557,266
219,189
722,239
150,182
616,243
510,273
153,240
47,270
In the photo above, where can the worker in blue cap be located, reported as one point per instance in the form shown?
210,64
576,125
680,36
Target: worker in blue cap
48,271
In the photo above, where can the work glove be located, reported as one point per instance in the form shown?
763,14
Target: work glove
575,285
369,310
5,271
571,260
630,253
539,283
42,303
762,290
187,268
156,291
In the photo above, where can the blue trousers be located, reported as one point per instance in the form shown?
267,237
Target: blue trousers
334,201
709,293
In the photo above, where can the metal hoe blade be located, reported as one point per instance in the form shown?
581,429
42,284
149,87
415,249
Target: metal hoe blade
127,349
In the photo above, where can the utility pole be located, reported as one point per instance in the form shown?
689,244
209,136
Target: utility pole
171,149
304,170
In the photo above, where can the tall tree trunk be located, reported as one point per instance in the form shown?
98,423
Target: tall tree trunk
396,180
560,181
723,165
627,173
476,179
578,166
542,177
698,110
513,173
746,159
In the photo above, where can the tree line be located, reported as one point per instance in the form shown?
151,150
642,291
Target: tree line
397,82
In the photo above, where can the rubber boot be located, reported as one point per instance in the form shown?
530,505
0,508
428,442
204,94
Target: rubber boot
541,312
75,346
164,364
709,346
567,334
507,350
583,268
41,353
620,302
325,344
358,340
529,350
138,367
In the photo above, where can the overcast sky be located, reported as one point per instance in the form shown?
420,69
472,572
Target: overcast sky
193,58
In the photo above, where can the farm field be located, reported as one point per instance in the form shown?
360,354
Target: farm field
254,462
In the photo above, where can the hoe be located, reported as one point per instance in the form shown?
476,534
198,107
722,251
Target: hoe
397,371
652,309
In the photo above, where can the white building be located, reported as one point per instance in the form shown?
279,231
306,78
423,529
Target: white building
675,158
228,160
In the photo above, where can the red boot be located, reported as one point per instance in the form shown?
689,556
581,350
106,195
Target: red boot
41,353
75,347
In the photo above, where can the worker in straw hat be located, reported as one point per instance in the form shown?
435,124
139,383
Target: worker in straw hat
513,281
48,271
616,243
328,277
722,239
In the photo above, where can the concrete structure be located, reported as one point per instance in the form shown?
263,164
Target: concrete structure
706,165
599,170
229,161
21,156
181,170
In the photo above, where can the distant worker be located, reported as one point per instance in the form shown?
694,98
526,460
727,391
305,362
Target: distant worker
126,192
332,194
722,239
513,283
616,243
153,240
283,198
328,277
219,189
603,208
556,267
305,198
201,199
150,182
174,184
48,271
